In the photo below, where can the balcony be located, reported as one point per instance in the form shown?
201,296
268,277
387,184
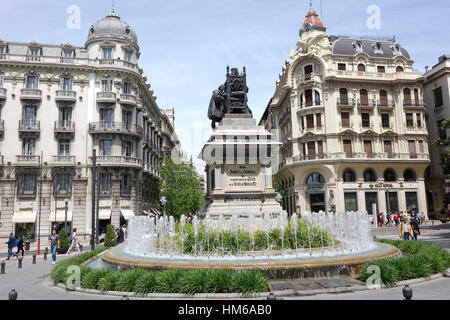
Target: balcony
385,104
2,94
366,104
412,128
64,128
28,160
387,126
29,128
118,161
64,160
31,94
414,105
128,99
106,97
66,96
115,127
357,156
345,103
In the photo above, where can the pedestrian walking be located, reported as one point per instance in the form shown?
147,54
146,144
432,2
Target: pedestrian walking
11,244
54,244
415,228
20,245
422,218
74,243
396,219
389,217
405,230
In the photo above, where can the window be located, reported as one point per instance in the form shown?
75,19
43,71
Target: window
62,184
421,150
311,150
315,178
106,116
65,115
105,147
27,184
416,97
126,87
34,52
64,147
308,98
28,146
364,97
320,149
319,120
381,69
66,83
343,95
410,175
370,176
345,118
407,97
371,198
383,98
351,201
419,120
127,117
365,120
127,55
32,82
125,185
127,148
361,67
358,46
68,53
391,201
348,148
385,121
390,176
29,115
409,120
107,53
308,71
341,66
349,176
438,99
368,148
105,183
399,69
442,133
310,121
411,202
388,148
412,149
28,230
107,85
317,98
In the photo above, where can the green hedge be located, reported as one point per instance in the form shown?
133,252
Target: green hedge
141,281
420,259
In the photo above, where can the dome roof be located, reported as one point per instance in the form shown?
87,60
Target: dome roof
313,19
112,25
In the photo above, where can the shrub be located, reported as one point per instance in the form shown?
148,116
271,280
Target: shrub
249,281
109,282
146,284
91,280
220,281
110,236
127,280
169,281
195,281
64,242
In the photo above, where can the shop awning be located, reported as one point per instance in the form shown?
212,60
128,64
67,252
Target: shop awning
24,217
60,216
155,212
104,214
127,214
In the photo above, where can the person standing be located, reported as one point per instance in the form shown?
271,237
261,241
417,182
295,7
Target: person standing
54,244
415,228
389,216
405,230
11,244
20,245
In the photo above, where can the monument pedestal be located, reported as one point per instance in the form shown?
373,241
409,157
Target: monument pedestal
239,169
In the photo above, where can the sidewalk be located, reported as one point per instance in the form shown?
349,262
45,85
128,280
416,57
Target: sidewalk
33,250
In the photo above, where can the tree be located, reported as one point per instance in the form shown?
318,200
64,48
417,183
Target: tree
445,148
64,242
110,236
188,196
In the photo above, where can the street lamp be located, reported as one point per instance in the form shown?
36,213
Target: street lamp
66,201
171,189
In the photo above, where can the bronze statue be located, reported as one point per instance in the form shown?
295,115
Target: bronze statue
231,97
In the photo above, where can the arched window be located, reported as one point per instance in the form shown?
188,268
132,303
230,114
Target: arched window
383,98
406,97
390,175
399,69
317,97
364,97
349,176
370,176
410,175
416,97
361,68
343,94
315,178
309,97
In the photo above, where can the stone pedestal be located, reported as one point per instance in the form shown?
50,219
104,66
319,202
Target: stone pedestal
240,157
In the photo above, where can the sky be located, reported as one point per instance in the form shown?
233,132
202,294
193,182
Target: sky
186,45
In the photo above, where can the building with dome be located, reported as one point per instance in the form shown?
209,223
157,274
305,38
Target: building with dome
64,101
350,115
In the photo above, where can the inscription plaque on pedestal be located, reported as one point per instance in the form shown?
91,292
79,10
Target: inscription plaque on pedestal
243,178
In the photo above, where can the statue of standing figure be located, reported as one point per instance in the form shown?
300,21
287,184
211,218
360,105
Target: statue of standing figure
231,97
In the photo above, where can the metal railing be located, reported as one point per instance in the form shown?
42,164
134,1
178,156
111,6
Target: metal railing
345,102
385,103
29,125
66,94
64,126
115,127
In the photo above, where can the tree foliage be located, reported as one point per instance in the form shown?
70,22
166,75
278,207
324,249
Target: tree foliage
63,239
188,195
110,236
444,145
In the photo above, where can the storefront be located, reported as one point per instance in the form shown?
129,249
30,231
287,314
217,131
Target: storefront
25,224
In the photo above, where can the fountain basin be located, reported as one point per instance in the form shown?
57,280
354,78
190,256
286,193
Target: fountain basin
318,263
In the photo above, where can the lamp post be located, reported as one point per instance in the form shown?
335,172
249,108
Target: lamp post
40,205
66,201
171,189
94,163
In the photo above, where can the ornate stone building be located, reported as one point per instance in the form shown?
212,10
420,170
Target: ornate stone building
351,120
169,136
66,101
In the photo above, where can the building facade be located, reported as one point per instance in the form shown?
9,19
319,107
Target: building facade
437,100
58,104
350,115
170,139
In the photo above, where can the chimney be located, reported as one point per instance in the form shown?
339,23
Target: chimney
426,69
